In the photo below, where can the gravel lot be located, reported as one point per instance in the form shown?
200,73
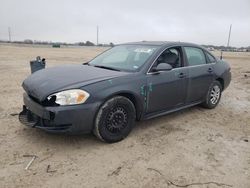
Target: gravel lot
193,148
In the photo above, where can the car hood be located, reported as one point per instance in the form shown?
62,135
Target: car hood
50,80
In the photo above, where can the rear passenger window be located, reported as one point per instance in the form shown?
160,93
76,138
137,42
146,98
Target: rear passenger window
195,56
210,58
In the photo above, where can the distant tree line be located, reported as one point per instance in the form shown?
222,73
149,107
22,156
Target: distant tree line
89,43
29,41
227,48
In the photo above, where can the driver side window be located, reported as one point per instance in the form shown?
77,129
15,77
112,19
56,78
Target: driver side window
171,56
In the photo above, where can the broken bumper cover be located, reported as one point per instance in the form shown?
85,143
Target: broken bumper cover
74,119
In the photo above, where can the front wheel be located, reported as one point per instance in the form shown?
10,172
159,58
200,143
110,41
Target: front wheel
115,119
213,96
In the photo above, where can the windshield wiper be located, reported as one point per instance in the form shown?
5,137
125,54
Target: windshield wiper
85,63
104,67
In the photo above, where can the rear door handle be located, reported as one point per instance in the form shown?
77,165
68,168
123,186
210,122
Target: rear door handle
181,75
210,70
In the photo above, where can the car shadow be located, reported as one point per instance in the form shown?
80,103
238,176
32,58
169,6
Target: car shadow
163,120
90,140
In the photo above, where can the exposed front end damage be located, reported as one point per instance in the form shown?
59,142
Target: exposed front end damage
72,119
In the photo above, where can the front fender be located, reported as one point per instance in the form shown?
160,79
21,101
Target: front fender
134,86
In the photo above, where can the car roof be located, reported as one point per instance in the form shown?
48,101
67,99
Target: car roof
161,43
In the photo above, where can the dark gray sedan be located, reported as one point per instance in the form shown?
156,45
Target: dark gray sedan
129,82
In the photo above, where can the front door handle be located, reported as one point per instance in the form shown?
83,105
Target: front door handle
181,75
210,70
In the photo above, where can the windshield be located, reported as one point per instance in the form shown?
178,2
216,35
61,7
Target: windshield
124,57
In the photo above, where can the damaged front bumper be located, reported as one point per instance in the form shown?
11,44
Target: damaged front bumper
74,119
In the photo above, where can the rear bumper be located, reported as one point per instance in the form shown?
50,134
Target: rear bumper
74,119
227,79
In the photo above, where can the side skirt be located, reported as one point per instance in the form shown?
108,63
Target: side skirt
161,113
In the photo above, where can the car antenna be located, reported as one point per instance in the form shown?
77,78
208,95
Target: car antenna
221,53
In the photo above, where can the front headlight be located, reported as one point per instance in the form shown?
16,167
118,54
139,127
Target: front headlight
70,97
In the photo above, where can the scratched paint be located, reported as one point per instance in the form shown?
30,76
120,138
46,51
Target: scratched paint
110,81
143,92
150,87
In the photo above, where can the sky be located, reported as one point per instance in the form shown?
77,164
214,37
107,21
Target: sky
119,21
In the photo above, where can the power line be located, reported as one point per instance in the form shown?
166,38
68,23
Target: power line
228,41
9,31
97,35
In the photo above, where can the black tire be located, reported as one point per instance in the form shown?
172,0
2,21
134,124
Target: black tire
213,95
115,119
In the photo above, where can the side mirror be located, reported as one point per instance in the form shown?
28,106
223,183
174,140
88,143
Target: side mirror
163,67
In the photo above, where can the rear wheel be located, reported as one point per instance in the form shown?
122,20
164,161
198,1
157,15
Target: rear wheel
213,95
115,119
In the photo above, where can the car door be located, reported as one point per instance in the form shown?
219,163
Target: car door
200,74
167,89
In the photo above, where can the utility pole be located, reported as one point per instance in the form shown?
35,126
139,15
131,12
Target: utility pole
228,41
97,35
9,30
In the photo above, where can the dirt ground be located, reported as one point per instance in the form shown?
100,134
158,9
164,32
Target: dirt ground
192,148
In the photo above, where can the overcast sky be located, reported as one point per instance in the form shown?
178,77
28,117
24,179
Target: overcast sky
198,21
